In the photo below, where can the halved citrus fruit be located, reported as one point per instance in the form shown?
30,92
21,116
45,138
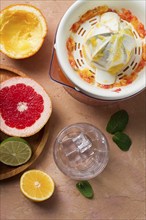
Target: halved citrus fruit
23,29
14,151
25,107
36,185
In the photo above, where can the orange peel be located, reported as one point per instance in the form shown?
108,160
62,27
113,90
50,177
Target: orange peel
22,32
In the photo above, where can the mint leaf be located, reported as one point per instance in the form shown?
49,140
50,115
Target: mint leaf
85,189
117,122
122,140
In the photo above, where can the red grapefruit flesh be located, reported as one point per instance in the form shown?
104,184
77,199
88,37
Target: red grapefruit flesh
25,107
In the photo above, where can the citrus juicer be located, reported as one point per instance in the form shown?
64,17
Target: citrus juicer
95,58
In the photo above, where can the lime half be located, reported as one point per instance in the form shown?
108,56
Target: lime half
14,151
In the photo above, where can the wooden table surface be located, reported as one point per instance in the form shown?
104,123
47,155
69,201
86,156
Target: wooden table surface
120,189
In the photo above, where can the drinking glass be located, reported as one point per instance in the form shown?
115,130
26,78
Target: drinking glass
81,151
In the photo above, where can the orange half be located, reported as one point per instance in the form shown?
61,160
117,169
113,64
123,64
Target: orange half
37,185
22,32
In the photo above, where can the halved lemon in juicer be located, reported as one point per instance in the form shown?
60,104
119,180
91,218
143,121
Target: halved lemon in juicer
109,47
22,32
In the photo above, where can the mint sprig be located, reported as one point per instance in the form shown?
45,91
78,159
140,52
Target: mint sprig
117,123
122,140
85,189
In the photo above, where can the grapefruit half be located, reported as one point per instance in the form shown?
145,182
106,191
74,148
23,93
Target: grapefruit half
25,107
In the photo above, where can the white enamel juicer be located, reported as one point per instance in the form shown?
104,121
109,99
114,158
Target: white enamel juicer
107,68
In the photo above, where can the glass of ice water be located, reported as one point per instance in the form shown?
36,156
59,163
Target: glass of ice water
81,151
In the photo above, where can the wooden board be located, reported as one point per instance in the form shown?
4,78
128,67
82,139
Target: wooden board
37,141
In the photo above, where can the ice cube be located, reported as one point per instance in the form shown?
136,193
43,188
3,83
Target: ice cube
82,143
68,147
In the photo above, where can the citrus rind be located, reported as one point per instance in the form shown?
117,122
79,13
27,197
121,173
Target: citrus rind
33,39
